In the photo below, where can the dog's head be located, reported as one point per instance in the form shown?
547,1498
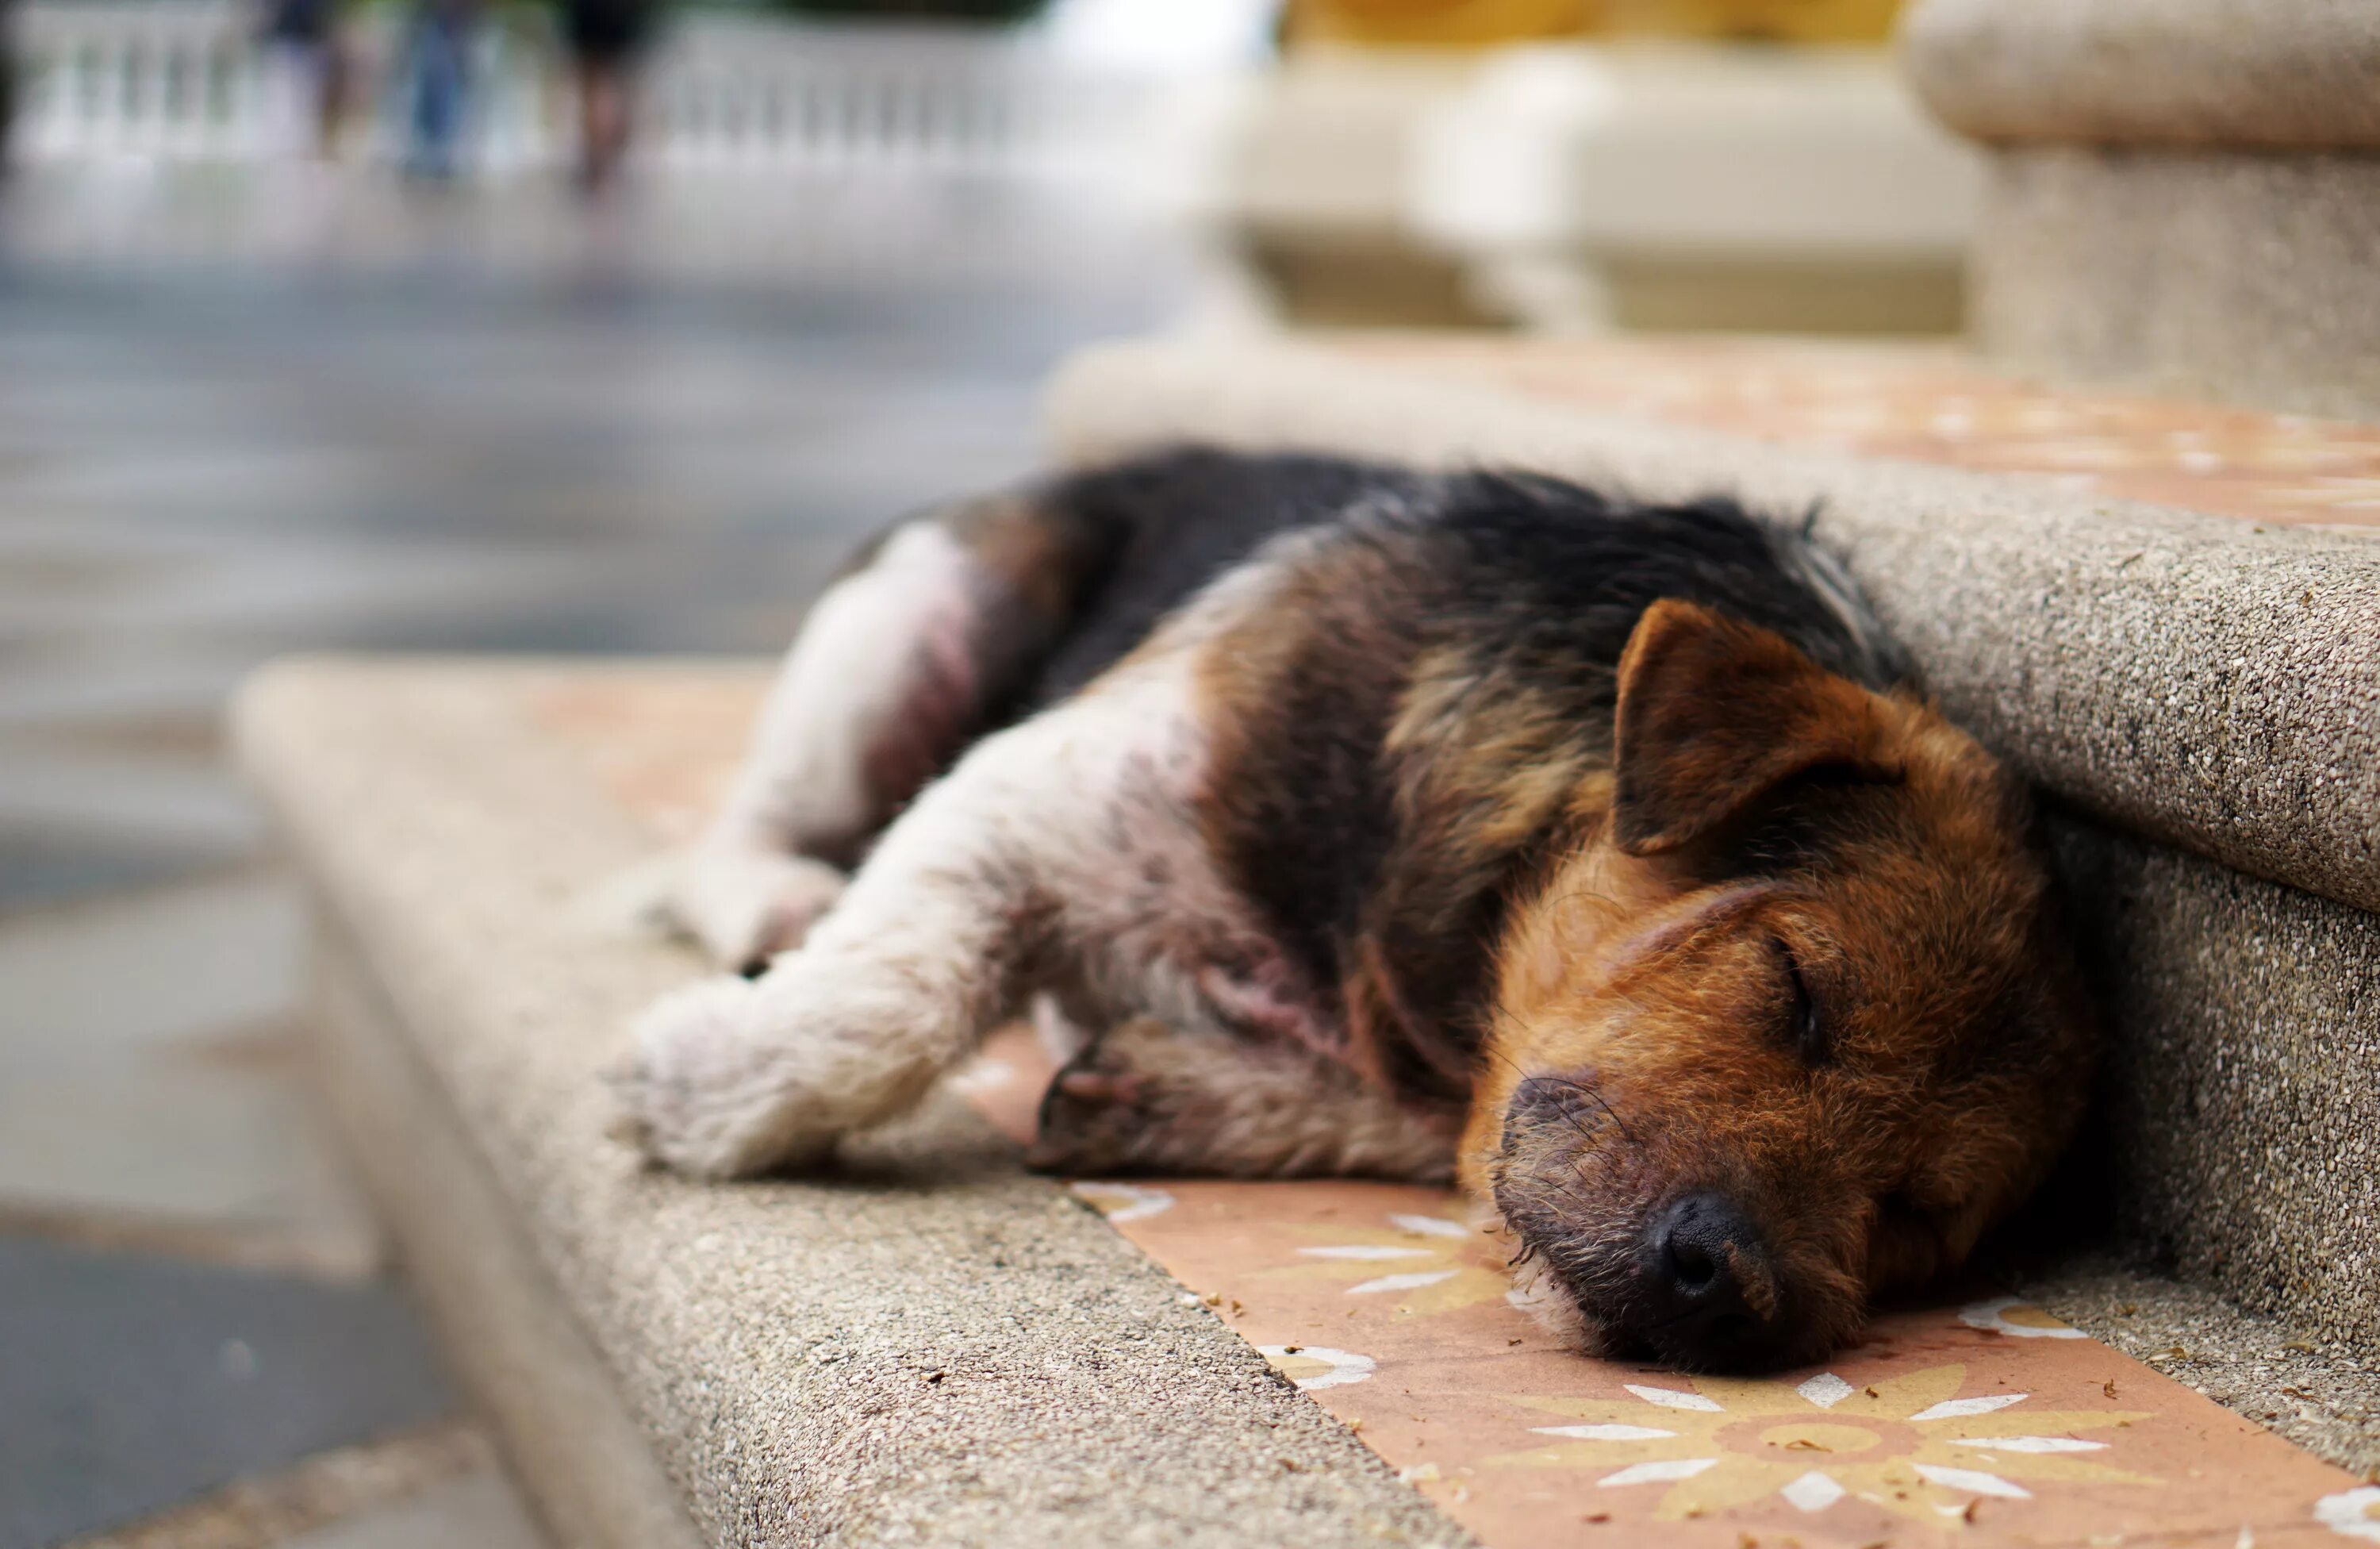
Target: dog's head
1793,1027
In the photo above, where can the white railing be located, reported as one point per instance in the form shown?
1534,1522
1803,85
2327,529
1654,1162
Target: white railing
736,90
185,80
164,79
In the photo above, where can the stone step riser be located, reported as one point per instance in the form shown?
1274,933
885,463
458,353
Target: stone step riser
2242,1141
2185,193
506,1326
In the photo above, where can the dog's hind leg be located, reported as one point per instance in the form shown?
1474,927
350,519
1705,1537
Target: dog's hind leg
925,642
1148,1098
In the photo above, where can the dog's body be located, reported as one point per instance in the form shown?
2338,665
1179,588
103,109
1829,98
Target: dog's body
1349,820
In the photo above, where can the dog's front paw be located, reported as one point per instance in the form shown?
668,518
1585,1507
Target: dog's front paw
744,906
1087,1126
1101,1109
708,1092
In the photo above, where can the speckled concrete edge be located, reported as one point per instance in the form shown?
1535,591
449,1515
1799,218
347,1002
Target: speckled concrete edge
2321,1394
506,1329
2237,1137
940,1349
2187,677
2269,74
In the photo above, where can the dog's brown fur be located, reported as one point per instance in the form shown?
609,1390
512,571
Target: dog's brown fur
1953,1064
1484,827
1639,969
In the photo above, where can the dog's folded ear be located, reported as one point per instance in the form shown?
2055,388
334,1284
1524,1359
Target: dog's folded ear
1715,713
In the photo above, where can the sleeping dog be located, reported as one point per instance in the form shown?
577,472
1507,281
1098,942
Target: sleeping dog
1340,818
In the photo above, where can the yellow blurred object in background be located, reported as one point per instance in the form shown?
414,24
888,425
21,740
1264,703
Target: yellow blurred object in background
1801,21
1439,23
1475,23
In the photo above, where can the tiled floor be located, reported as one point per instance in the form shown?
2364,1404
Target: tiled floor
486,424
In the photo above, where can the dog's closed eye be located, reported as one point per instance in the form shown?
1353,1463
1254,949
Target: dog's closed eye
1806,1023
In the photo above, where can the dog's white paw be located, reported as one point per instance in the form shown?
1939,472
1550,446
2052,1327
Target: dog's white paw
705,1091
744,906
734,1077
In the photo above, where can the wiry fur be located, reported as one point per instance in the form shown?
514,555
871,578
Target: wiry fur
1362,810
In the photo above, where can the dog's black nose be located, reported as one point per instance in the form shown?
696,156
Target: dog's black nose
1705,1278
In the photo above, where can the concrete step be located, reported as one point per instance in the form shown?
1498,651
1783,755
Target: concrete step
934,1347
2168,615
862,1360
2183,192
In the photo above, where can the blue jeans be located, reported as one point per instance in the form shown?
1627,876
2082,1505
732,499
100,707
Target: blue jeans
440,90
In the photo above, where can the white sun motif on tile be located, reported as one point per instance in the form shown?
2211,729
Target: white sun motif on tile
2351,1513
1911,1444
1420,1264
2340,493
2017,1318
1313,1366
1124,1202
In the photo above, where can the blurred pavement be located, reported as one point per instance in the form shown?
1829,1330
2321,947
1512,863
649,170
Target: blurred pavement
242,414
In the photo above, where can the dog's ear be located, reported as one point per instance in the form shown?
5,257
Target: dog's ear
1715,713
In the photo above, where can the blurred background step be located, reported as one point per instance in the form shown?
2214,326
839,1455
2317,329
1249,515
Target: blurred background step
132,1383
2183,193
2194,689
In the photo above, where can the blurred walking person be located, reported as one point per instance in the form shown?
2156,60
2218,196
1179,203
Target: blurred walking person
607,40
7,81
305,78
438,86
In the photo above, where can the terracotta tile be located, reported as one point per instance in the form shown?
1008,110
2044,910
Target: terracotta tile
1982,1419
1932,405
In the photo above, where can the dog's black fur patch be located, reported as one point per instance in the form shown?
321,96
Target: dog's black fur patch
1531,554
1533,583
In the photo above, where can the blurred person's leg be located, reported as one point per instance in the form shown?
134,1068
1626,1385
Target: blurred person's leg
7,83
284,89
606,121
440,87
333,94
299,44
607,40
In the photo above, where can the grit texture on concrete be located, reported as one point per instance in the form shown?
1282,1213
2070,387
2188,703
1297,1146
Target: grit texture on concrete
2175,676
2323,1395
2272,74
935,1347
2187,677
513,1338
2223,274
2240,1099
